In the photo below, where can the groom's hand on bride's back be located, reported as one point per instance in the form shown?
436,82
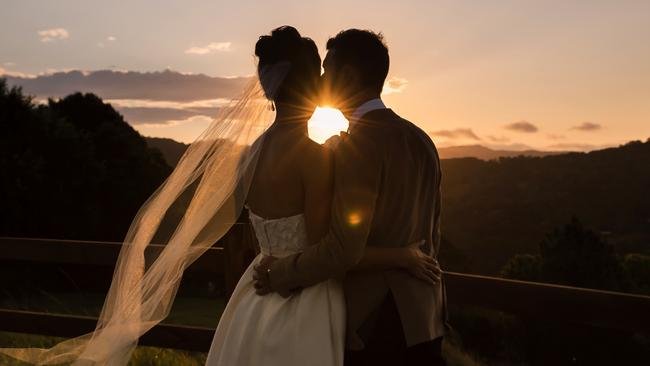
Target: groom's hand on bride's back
421,265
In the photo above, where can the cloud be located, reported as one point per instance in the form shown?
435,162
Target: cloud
459,133
19,75
145,103
55,34
9,64
178,122
209,48
574,146
394,85
182,129
110,84
522,126
150,99
510,147
15,74
553,136
587,127
138,116
499,139
109,40
153,112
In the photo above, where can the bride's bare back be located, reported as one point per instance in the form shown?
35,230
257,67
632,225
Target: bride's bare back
293,176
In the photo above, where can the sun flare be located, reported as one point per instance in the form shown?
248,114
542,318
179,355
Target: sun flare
326,122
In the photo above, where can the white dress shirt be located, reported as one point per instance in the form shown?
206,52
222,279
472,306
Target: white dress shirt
369,106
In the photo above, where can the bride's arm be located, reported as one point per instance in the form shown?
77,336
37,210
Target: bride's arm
409,258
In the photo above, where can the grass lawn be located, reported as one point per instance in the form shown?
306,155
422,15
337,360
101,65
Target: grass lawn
143,356
152,356
186,311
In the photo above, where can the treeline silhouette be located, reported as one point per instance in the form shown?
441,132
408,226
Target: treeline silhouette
494,210
72,168
75,169
576,256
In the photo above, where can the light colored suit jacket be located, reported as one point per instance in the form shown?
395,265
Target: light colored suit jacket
386,194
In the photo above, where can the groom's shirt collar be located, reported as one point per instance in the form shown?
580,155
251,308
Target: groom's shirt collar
369,106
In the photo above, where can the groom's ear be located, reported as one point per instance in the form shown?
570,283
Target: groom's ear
349,74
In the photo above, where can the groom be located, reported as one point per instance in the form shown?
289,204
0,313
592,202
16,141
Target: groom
387,194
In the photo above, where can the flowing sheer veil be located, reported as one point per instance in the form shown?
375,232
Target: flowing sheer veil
189,212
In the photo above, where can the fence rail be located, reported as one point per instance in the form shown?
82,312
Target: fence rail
97,253
562,304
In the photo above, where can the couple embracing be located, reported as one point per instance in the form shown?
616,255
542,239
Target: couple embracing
349,231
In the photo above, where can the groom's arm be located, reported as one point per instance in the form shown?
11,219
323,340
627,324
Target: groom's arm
357,175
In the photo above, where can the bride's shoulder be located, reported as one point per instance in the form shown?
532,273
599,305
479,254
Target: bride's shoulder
314,155
314,150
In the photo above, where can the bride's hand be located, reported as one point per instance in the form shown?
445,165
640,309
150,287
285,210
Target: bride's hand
421,265
333,142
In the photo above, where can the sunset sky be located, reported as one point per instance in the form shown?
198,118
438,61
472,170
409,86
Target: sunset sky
557,75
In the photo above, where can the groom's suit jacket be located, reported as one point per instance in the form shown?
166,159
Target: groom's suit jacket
386,194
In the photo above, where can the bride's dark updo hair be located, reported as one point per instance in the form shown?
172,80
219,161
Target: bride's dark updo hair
286,44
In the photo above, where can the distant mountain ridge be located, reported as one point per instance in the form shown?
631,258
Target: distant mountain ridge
485,153
172,151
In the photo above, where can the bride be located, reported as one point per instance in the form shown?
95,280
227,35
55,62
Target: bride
285,180
289,208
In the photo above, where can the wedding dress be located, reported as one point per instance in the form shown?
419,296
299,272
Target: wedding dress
193,209
307,328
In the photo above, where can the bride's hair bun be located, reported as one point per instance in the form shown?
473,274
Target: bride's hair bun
284,44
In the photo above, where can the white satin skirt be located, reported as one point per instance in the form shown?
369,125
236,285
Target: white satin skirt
306,329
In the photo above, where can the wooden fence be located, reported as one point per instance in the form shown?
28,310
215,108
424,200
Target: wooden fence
553,303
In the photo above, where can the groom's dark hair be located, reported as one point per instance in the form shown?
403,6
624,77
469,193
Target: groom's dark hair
366,52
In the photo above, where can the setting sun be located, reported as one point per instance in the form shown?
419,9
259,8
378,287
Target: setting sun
326,122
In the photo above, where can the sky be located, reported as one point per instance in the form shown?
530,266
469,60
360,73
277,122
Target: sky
552,75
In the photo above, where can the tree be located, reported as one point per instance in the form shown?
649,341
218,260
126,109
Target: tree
637,271
523,267
571,255
71,169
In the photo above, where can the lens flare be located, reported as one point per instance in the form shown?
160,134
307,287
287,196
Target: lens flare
326,122
354,219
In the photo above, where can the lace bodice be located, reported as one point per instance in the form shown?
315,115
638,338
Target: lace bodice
280,237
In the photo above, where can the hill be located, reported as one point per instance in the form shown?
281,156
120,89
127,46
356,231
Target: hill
485,153
501,203
172,150
495,206
495,209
